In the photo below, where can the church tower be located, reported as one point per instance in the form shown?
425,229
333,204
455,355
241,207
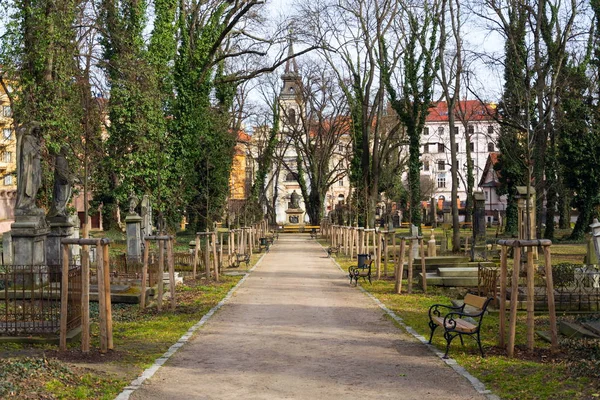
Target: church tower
290,97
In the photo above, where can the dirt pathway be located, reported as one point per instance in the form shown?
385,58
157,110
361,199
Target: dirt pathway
296,330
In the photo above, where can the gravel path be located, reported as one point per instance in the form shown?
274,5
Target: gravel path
296,330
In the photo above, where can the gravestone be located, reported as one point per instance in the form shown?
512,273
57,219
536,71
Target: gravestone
133,230
478,248
414,232
75,249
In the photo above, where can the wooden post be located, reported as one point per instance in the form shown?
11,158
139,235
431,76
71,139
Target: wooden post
101,298
400,267
512,329
171,264
215,259
530,299
161,274
85,302
221,251
378,255
502,302
411,258
145,274
207,255
394,255
551,304
386,253
423,268
108,301
64,297
351,242
196,249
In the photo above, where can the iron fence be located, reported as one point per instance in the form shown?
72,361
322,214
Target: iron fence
30,300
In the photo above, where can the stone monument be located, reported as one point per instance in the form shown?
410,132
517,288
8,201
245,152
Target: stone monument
478,248
58,217
146,215
133,230
30,230
294,213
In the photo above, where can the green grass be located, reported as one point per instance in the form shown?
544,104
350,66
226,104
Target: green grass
523,377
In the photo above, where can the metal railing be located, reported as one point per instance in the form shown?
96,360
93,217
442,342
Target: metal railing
30,300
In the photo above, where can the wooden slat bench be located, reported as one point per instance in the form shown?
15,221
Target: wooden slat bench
454,321
355,272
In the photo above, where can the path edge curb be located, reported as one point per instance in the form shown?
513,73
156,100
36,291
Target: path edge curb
150,371
452,363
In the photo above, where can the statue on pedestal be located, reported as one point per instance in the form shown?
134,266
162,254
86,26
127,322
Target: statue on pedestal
295,200
62,185
29,169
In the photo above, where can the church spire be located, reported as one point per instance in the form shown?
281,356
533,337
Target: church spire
291,67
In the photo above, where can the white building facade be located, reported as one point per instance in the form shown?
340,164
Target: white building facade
477,131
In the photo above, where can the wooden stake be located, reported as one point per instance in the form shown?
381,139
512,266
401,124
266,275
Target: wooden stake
400,267
410,265
196,249
64,297
378,255
145,275
207,256
161,274
551,304
423,269
171,263
512,329
502,300
530,300
85,300
108,302
101,298
215,259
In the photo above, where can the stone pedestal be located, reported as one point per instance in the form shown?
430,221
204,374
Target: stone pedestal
29,234
7,249
60,228
133,224
295,216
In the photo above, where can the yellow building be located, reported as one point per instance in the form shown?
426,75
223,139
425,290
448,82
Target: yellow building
8,165
239,180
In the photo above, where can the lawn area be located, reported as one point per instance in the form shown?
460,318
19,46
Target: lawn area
573,373
140,337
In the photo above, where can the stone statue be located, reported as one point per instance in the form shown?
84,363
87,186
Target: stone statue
29,169
133,202
62,185
295,200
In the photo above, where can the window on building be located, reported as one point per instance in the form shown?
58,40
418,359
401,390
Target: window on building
472,146
491,147
456,130
425,165
341,182
490,130
8,180
7,133
440,147
457,147
441,165
426,148
426,131
441,131
7,157
470,129
6,111
290,177
292,116
441,181
341,147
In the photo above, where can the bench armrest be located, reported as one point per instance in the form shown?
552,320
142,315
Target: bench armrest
434,310
451,318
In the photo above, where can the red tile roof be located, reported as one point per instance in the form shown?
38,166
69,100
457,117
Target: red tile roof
469,110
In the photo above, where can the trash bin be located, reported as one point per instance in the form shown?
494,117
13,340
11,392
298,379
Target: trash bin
263,241
362,260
